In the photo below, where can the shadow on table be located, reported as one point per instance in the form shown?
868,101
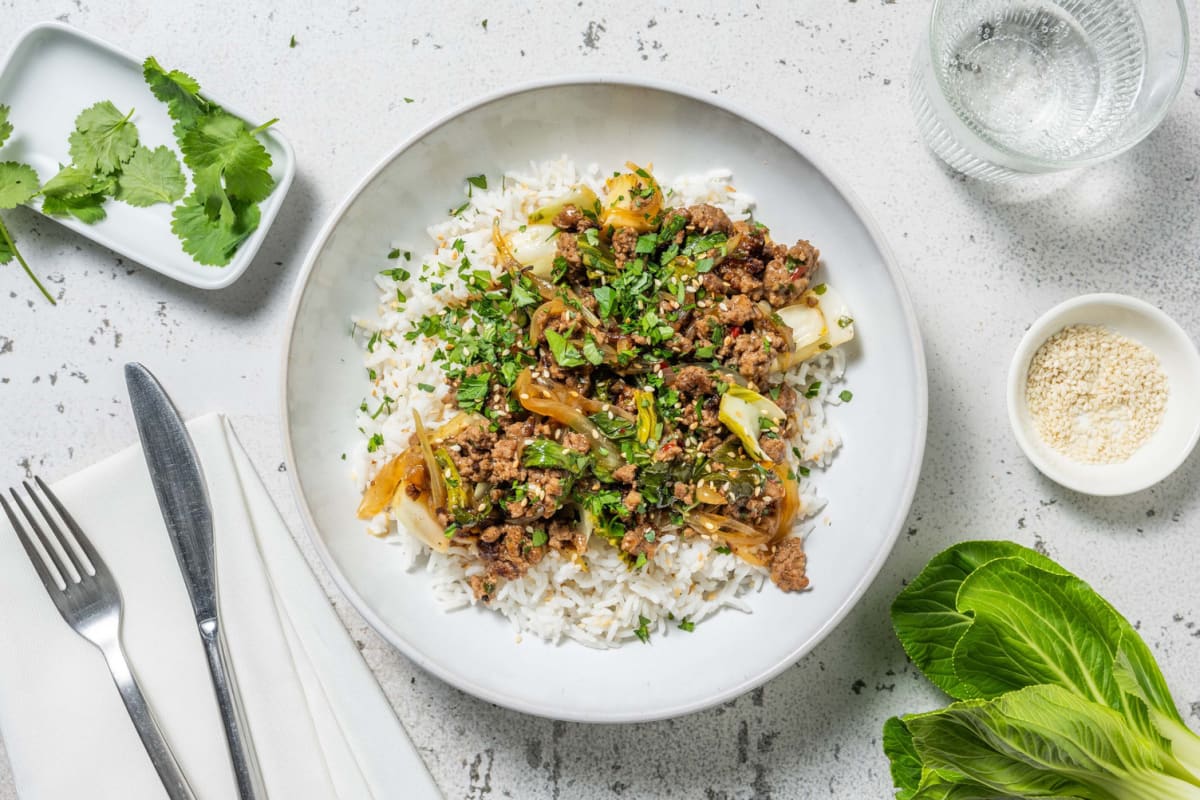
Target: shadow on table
1093,212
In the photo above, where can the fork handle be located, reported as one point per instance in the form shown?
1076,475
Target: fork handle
173,779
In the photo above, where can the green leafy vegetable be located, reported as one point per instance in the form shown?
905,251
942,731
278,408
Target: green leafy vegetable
211,240
151,176
565,353
18,184
71,181
230,169
549,453
87,208
179,91
1059,697
6,127
103,138
227,160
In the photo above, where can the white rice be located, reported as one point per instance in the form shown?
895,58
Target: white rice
603,603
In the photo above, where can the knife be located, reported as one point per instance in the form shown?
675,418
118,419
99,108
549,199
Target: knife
183,497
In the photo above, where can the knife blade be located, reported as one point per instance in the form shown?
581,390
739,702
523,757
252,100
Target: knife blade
182,493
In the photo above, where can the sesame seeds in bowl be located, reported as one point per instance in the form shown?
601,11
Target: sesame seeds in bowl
1104,394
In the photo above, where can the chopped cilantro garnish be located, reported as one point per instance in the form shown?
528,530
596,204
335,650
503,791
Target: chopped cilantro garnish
394,253
539,538
687,625
473,391
846,395
375,442
819,289
456,212
813,390
424,387
478,181
642,631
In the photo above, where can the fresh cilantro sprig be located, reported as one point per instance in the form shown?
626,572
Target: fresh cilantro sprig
19,183
231,169
108,161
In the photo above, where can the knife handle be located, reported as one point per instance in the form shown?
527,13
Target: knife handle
233,715
173,779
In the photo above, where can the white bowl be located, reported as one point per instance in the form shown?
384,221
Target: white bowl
1180,428
607,121
41,80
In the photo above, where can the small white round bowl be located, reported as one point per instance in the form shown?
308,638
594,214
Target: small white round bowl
1168,447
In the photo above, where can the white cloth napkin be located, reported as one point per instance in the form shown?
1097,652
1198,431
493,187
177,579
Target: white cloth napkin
321,725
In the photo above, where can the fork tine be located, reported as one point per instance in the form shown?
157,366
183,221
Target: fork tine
85,544
61,562
50,580
64,540
64,549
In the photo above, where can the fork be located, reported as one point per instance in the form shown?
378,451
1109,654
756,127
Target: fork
90,602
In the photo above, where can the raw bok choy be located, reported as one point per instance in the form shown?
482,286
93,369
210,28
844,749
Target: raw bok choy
1057,695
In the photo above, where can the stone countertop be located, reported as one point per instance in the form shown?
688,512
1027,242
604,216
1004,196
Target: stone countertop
981,263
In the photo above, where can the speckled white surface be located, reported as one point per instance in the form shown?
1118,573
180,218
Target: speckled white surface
982,263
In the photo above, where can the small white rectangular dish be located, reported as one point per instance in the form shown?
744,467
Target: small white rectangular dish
54,72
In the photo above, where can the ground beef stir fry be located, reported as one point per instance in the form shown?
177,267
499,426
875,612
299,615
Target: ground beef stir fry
626,384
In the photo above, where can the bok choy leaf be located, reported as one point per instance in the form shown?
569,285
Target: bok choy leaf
1058,696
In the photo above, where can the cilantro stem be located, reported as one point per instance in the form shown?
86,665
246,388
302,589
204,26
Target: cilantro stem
263,127
8,240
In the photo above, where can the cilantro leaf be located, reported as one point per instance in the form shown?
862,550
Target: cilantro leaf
478,181
6,127
179,91
538,537
151,176
208,240
103,138
222,147
18,184
71,181
6,252
473,391
88,208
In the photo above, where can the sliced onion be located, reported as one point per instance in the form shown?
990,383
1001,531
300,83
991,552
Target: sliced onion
709,495
383,486
731,531
549,291
437,481
537,321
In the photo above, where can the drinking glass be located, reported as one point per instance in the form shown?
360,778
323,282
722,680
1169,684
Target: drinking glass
1003,88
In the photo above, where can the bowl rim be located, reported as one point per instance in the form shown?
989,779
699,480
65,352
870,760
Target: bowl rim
917,440
1045,326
